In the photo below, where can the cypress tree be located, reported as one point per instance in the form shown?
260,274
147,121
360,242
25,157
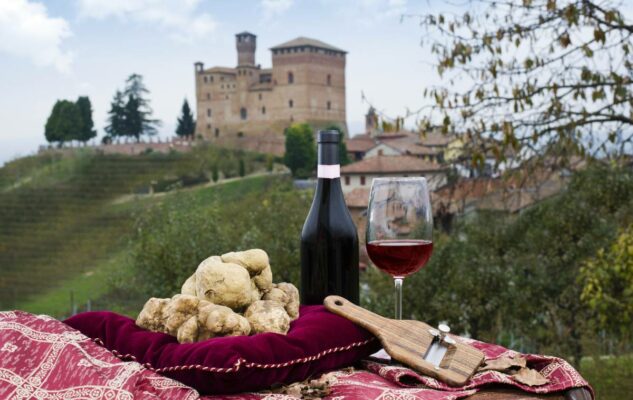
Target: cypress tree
86,130
242,168
116,116
133,118
186,122
134,87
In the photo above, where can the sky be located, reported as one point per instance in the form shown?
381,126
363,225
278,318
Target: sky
52,50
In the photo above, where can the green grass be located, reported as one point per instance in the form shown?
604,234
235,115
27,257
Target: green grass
611,377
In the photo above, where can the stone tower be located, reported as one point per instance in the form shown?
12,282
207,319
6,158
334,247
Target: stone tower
246,44
371,122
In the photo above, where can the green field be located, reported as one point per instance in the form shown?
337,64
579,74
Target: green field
65,222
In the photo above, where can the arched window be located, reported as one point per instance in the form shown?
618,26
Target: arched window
205,79
329,79
291,77
208,112
290,103
243,113
217,132
329,105
263,110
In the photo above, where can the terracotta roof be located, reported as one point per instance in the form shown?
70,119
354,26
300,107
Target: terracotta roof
304,41
360,143
405,146
393,135
357,198
390,164
435,138
221,70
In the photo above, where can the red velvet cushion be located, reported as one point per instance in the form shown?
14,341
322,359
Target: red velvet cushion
318,341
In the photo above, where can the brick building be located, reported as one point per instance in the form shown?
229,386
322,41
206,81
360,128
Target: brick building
305,84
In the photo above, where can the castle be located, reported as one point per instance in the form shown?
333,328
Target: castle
305,84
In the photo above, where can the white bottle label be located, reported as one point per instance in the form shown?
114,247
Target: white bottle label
329,171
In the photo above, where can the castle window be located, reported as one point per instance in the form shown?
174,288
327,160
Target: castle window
263,110
205,79
243,113
210,78
260,96
208,112
221,78
329,80
208,96
209,126
250,73
217,132
290,103
291,77
329,105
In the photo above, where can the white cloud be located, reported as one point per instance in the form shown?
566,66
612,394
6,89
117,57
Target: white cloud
273,8
26,30
180,18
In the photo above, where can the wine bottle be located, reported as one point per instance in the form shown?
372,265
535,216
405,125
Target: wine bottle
329,242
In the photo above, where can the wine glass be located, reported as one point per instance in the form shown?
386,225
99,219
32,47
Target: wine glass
399,233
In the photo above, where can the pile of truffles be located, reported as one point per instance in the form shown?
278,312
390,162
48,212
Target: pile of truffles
228,295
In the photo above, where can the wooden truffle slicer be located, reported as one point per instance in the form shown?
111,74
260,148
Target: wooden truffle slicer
428,350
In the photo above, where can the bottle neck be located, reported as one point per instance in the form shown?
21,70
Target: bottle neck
329,164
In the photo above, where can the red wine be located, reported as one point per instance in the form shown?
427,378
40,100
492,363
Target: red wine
400,258
329,243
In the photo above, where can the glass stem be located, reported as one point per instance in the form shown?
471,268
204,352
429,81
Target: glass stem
398,283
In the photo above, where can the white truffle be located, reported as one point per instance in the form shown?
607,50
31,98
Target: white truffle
268,316
254,260
225,284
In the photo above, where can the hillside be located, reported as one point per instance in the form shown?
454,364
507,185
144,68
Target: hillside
65,221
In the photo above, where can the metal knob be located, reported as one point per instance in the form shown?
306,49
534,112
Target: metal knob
444,330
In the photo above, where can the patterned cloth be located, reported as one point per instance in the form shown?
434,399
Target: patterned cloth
42,358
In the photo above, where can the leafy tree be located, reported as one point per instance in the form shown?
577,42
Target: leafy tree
87,131
344,157
116,116
135,88
133,118
300,154
64,122
608,286
532,73
186,123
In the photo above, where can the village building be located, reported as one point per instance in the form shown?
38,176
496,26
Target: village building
306,83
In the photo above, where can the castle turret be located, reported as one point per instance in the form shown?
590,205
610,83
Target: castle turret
246,44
